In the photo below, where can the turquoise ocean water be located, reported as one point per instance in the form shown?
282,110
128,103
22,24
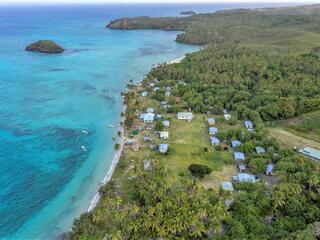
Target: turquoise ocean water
45,100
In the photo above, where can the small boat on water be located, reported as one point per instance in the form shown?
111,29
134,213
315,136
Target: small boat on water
83,148
111,126
84,131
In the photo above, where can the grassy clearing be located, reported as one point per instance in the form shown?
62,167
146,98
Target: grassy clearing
291,140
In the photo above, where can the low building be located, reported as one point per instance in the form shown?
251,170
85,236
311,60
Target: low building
211,121
245,177
227,186
269,169
214,141
147,117
164,135
178,100
227,116
156,89
166,123
213,130
147,165
150,110
163,148
168,89
235,143
225,111
146,139
239,156
185,116
242,167
158,116
167,94
135,147
260,150
248,124
144,94
311,152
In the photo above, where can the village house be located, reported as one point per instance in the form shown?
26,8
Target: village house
185,116
147,117
211,121
166,123
242,167
311,152
135,147
235,143
178,100
163,148
260,150
239,156
213,130
164,135
227,186
147,164
150,110
167,94
269,169
227,116
156,89
248,124
245,177
214,141
144,94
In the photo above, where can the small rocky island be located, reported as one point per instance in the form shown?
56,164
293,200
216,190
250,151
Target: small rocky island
44,46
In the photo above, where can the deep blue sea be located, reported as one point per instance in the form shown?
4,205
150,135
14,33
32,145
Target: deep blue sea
46,179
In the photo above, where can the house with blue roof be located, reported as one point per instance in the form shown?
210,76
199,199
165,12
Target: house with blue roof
260,150
269,169
163,148
150,110
144,94
245,177
214,141
227,186
248,124
242,167
166,123
211,121
147,117
235,143
311,152
239,156
213,130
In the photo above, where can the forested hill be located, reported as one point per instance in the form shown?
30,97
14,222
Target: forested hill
297,27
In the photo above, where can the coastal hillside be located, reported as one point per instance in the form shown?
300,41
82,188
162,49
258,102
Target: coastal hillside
205,153
296,27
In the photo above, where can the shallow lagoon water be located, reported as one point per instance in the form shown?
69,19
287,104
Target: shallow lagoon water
45,100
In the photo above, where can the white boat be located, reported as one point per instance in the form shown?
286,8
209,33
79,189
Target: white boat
85,131
111,126
83,148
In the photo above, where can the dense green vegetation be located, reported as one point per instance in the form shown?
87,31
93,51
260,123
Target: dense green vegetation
296,27
265,68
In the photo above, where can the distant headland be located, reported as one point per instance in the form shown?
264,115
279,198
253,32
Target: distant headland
44,46
188,13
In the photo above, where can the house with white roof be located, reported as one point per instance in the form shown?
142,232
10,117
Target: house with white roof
185,116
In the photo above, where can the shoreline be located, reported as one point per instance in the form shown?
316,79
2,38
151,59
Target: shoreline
117,154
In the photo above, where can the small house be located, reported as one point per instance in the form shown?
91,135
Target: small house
158,116
239,156
156,89
147,117
311,152
150,110
146,139
185,116
227,116
167,94
163,103
213,130
164,135
166,123
269,169
245,177
163,148
227,186
152,84
178,100
214,141
211,121
144,94
135,147
235,143
242,167
225,111
168,89
248,124
260,150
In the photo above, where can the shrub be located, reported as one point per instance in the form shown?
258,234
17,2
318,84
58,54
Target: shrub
199,170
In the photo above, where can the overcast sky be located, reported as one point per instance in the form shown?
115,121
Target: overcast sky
149,1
